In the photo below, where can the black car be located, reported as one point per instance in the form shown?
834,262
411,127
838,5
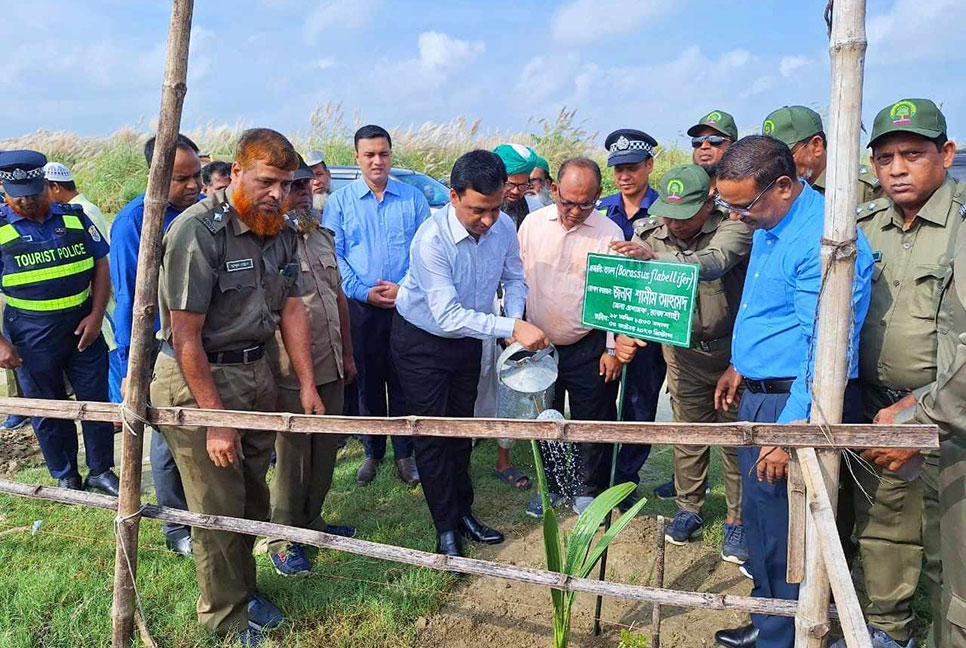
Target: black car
958,170
436,194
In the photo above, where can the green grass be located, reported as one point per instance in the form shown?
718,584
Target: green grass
56,587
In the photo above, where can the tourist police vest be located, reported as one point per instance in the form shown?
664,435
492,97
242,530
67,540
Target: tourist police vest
48,276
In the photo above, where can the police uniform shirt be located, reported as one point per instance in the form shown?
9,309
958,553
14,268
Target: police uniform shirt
612,207
52,228
721,249
898,340
213,264
321,280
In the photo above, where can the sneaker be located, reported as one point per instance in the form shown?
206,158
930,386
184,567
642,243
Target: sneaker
14,422
625,504
735,549
683,527
291,561
746,572
581,503
262,615
880,639
250,636
535,507
666,490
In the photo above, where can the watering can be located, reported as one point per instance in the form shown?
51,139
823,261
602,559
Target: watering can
526,381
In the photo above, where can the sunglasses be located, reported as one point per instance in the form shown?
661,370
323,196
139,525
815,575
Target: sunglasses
713,140
744,211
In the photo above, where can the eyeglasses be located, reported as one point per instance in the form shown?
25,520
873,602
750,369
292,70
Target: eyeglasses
713,140
518,185
566,205
744,211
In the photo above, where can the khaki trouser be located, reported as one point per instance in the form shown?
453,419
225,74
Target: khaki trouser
691,378
224,562
303,466
949,611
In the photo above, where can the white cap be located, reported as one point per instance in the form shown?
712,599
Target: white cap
57,172
313,158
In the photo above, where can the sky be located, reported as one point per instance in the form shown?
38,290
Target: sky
93,66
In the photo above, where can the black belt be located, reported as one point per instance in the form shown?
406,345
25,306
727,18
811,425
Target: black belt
712,346
769,385
892,396
241,356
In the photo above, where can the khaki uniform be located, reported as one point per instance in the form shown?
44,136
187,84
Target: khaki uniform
869,187
213,264
304,462
721,248
944,403
897,354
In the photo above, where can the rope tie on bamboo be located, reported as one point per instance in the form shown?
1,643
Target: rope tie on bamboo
118,521
127,414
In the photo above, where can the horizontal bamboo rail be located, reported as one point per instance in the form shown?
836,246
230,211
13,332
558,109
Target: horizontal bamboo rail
699,434
653,595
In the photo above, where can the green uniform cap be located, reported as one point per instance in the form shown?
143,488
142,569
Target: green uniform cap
919,116
792,124
516,158
683,191
720,121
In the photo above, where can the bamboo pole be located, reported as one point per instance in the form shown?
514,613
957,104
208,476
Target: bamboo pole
439,562
835,321
659,582
697,434
145,310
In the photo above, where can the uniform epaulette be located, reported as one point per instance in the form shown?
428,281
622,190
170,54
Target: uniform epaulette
867,176
867,209
959,196
67,208
215,219
647,225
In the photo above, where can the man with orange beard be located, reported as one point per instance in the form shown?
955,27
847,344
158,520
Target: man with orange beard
229,277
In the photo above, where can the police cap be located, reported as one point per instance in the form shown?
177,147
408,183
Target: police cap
22,172
629,146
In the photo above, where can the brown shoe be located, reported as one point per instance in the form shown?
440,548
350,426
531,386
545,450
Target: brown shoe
367,471
406,469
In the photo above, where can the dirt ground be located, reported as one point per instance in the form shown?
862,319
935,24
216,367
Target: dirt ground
489,612
18,450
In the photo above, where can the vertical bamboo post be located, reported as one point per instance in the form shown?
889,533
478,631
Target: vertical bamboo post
142,332
658,582
847,45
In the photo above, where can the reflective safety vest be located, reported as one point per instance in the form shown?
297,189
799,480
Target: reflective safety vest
47,276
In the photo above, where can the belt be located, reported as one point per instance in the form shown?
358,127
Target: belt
769,385
711,346
241,356
892,396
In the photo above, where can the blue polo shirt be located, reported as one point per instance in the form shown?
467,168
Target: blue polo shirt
125,242
45,231
613,208
777,317
372,237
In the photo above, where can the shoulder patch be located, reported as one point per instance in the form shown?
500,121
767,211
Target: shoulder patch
867,209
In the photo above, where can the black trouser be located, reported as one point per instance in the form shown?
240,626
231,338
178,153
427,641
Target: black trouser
439,378
167,484
378,382
645,376
590,399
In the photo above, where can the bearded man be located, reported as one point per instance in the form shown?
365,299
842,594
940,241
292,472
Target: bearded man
229,277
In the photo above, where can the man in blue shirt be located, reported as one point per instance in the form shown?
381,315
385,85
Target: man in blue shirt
772,352
374,220
459,259
126,237
631,154
53,263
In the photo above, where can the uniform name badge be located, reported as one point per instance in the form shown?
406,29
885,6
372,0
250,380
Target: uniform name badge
239,264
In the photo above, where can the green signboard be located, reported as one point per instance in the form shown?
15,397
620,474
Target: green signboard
651,300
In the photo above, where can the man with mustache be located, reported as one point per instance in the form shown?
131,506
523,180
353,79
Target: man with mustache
303,468
229,277
710,138
519,161
56,285
374,220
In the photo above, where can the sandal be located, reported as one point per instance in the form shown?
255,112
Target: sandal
513,477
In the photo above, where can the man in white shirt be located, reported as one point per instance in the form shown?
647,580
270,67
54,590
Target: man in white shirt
458,259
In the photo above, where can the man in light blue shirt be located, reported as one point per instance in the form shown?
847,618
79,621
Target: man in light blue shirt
459,258
772,350
374,220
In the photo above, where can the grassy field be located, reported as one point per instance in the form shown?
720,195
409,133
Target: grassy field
111,170
56,589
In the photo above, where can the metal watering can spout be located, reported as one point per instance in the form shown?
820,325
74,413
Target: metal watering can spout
526,381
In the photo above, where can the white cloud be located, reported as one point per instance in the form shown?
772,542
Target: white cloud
324,63
582,22
914,30
789,64
441,54
736,58
343,14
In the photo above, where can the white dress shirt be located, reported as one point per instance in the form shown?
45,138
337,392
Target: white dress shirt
453,278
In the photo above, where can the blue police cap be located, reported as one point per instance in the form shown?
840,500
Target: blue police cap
629,146
22,172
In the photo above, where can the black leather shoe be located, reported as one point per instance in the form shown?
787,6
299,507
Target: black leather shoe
479,532
73,482
448,544
106,482
743,637
181,546
344,531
